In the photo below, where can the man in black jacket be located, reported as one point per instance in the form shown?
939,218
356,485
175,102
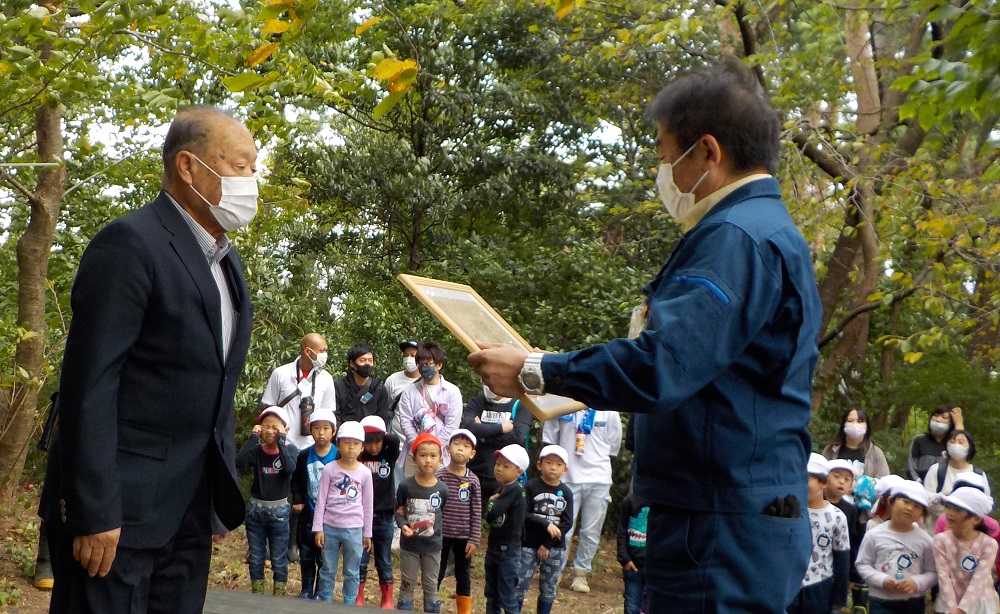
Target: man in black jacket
359,393
496,422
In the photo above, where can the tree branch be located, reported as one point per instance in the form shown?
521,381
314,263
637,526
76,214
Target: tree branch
832,164
139,36
20,187
898,295
45,84
80,183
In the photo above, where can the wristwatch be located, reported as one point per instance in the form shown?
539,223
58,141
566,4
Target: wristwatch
530,376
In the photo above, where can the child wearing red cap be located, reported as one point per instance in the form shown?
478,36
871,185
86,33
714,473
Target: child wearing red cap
380,455
420,501
273,461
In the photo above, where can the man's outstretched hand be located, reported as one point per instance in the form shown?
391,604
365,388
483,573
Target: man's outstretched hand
498,365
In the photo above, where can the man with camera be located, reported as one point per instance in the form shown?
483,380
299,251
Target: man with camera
297,389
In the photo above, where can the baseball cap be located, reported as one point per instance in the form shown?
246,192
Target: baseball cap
321,415
914,491
554,450
424,438
971,500
274,410
840,463
515,454
464,433
817,465
351,430
403,345
373,424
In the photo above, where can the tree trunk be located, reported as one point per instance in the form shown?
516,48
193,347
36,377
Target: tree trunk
33,264
986,338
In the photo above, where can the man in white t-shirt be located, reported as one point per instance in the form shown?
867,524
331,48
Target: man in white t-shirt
592,437
394,385
301,387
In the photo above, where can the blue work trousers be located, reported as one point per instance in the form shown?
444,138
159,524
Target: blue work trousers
708,562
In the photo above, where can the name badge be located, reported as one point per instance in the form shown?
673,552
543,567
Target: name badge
494,417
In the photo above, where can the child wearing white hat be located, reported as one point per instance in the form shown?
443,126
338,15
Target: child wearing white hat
839,485
824,588
343,515
549,517
973,480
883,490
896,558
505,515
965,554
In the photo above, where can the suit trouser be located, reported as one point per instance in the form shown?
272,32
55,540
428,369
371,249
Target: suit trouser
709,562
172,579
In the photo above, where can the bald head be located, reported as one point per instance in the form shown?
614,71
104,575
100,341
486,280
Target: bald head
314,341
192,130
312,346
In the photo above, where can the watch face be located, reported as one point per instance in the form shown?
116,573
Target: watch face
531,381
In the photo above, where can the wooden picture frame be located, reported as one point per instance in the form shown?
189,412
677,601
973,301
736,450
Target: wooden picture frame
470,318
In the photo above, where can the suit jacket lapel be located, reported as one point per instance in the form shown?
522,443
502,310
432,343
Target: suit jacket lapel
186,247
241,303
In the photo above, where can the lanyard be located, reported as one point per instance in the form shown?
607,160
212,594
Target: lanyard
431,405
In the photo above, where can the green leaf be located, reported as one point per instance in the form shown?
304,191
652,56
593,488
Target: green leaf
242,81
386,103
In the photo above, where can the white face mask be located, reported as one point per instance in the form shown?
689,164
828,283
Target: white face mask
855,430
492,397
320,361
939,428
678,203
409,364
958,451
238,204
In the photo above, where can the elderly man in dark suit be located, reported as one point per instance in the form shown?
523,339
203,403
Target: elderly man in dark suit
142,469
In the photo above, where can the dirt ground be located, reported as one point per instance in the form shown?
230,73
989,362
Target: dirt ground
19,531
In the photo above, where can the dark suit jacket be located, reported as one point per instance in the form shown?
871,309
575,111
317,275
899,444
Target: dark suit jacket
146,400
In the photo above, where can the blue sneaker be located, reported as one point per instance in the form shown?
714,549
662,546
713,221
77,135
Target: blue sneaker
404,605
434,607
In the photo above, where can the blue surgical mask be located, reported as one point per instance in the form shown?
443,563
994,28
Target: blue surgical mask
428,372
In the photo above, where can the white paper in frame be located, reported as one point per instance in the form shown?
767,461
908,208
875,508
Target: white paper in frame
472,319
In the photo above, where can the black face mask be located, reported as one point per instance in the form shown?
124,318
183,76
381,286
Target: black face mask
364,370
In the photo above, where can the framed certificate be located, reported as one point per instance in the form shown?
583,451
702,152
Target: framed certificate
472,319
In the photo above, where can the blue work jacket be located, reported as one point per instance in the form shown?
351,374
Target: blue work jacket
720,382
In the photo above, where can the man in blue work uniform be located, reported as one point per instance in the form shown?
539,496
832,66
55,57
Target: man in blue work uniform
720,381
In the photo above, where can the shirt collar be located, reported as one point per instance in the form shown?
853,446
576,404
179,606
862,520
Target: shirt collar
703,206
215,249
